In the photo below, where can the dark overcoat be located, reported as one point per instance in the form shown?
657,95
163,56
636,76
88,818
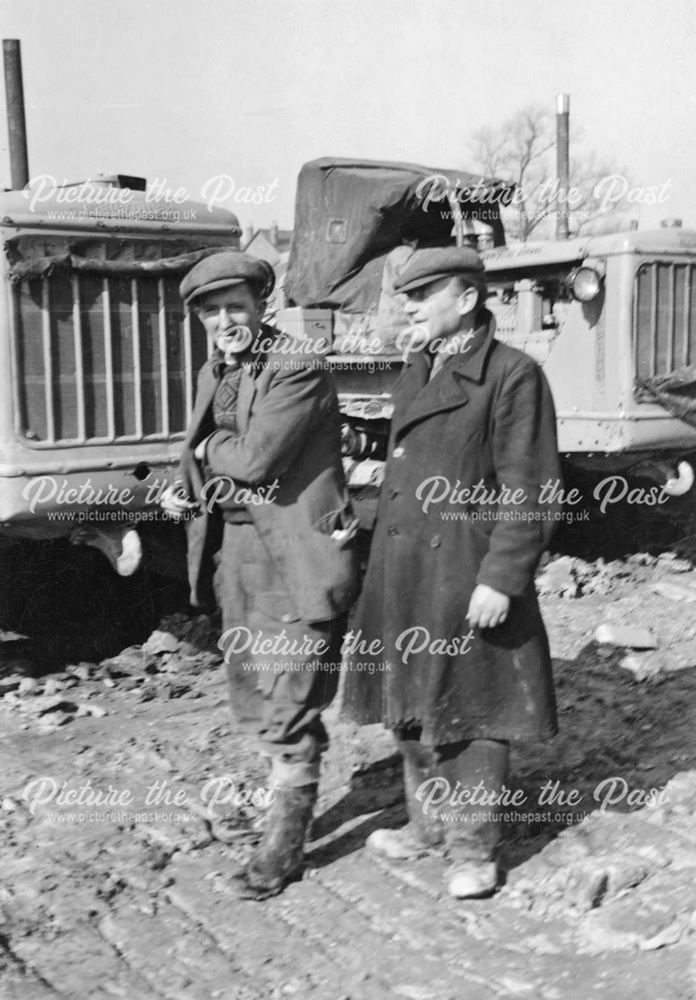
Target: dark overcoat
485,419
288,449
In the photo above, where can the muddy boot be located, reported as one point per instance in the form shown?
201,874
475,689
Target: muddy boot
472,833
472,879
423,830
278,858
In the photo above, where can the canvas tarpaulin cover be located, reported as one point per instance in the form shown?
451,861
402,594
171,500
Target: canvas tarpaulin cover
27,257
675,391
350,213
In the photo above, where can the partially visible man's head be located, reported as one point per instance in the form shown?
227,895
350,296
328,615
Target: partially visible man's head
444,287
228,292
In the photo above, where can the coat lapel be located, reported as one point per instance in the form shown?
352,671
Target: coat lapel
247,391
198,428
446,393
249,382
200,418
419,399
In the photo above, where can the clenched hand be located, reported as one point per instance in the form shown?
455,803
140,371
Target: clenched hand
487,607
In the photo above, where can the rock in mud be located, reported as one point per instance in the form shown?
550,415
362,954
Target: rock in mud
630,636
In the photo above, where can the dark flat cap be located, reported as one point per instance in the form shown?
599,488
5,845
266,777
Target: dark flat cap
433,263
223,269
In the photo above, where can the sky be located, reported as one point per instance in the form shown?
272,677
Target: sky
228,98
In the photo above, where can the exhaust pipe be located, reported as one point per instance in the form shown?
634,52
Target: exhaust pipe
562,164
16,124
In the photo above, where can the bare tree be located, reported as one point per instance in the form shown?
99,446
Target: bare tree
522,150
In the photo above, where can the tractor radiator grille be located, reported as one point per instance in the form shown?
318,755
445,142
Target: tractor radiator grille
103,358
664,318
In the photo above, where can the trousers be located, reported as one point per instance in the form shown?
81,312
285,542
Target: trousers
451,793
282,671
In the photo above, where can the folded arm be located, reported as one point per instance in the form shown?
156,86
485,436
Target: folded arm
278,429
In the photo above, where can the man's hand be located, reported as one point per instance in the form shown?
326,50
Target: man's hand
487,607
175,503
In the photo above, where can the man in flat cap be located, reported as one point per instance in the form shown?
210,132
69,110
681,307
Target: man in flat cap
261,465
448,603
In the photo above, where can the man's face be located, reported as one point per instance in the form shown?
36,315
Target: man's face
441,308
232,317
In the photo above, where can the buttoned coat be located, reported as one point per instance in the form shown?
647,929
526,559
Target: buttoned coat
487,418
288,448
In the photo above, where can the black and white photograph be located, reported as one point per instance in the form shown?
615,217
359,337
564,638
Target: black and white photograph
348,500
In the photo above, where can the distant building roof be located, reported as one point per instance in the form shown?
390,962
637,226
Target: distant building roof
268,244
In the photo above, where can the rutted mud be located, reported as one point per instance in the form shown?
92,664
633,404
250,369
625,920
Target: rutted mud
117,866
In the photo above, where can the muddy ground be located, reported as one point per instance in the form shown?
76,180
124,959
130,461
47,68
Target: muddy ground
128,801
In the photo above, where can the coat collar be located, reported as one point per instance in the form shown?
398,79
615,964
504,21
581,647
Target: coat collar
473,362
214,369
423,398
252,363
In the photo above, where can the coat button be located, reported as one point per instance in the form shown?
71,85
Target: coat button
399,452
393,494
393,531
435,542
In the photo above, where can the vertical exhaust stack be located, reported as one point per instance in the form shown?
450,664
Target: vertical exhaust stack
16,124
562,165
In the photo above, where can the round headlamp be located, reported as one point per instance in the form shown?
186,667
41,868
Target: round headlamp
584,284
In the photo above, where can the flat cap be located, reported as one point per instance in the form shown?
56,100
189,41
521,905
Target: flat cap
433,263
228,268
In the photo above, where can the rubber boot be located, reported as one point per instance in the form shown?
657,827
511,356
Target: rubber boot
423,831
278,858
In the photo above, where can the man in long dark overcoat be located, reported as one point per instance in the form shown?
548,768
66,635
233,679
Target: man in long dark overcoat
449,613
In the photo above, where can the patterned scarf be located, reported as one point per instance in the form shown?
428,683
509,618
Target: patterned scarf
225,399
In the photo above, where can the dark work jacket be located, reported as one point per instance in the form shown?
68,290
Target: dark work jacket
486,416
288,430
